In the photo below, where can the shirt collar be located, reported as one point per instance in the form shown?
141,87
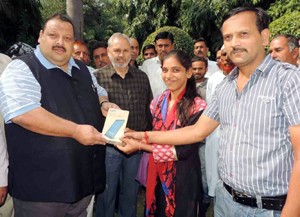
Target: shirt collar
48,65
112,72
263,69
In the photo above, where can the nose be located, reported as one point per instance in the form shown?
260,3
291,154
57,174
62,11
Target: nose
235,41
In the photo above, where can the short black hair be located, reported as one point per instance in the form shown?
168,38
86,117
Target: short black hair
98,44
201,59
262,18
61,17
164,35
148,46
200,39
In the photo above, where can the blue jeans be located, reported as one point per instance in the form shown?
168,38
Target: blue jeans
226,207
121,171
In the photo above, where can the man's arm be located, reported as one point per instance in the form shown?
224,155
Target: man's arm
292,205
186,135
106,105
43,122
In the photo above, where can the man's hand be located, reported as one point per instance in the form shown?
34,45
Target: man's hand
3,193
107,105
88,135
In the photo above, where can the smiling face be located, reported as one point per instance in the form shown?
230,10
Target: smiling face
56,42
244,44
119,52
175,75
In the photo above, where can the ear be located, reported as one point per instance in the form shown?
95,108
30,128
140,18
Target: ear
40,35
265,37
189,73
295,52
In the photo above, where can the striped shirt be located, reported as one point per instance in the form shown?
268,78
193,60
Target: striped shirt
255,152
20,92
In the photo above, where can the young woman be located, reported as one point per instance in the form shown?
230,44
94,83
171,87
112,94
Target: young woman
174,174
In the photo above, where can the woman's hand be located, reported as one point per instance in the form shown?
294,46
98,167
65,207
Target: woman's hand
133,134
129,145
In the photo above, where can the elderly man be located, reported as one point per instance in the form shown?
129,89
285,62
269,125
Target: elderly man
50,104
128,87
285,48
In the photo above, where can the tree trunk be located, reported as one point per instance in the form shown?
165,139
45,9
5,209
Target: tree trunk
75,12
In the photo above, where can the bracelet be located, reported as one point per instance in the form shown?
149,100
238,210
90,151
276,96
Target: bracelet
101,103
146,137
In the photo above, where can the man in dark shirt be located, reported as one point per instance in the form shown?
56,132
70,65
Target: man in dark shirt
130,89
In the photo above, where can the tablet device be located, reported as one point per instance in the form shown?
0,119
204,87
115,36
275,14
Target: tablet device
114,128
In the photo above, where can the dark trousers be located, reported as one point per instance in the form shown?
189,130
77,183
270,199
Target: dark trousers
51,209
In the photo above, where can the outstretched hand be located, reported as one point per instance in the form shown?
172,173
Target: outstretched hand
88,135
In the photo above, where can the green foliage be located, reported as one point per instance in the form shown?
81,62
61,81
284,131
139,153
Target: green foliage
144,16
281,7
101,19
51,7
182,40
288,23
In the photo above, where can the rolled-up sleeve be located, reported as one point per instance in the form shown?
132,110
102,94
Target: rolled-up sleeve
20,92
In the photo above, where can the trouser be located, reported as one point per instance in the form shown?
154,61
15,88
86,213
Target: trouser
226,207
51,209
121,171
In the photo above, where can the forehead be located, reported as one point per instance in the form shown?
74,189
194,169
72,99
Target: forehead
134,42
163,41
80,47
120,43
278,42
59,25
200,44
100,50
198,63
239,22
149,50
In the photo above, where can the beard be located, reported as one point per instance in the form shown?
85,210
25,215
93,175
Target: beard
118,65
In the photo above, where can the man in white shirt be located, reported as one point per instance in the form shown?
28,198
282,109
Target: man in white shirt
164,43
201,50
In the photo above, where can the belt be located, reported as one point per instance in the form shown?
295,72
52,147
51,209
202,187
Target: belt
270,203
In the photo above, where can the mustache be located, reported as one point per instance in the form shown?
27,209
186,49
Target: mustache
236,49
60,47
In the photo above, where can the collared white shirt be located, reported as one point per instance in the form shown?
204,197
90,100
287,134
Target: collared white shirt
152,67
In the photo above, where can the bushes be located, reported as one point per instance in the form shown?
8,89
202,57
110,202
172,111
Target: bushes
288,23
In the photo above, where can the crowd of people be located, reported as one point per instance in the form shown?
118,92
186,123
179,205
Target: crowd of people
230,129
